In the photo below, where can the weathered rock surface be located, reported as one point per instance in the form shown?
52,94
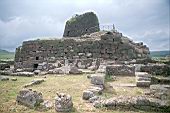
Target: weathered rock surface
36,72
63,103
160,80
4,78
93,99
81,24
101,69
34,82
47,104
131,103
27,74
156,69
97,79
124,70
87,95
29,98
160,91
56,71
75,70
96,89
4,65
6,72
14,79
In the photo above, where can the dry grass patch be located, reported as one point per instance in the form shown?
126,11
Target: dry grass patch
71,84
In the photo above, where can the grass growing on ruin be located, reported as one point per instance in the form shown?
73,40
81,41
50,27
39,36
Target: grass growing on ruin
71,84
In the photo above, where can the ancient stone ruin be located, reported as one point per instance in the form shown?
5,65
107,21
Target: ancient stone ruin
105,45
120,72
81,24
29,98
63,103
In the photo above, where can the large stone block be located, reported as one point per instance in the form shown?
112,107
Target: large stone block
29,98
87,94
97,79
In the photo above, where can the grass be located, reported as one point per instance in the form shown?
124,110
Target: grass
6,56
71,84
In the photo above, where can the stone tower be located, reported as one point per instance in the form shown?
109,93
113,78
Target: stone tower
81,24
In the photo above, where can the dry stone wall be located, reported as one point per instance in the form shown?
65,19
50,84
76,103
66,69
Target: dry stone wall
102,45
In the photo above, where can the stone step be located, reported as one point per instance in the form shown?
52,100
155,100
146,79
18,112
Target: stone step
143,78
143,83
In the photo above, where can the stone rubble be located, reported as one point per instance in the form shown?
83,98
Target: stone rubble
87,94
34,82
27,74
14,79
131,103
63,102
4,78
29,98
4,65
159,91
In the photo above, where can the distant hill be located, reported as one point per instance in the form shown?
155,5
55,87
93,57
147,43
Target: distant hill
159,53
5,55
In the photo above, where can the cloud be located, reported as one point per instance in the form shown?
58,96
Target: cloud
18,29
142,20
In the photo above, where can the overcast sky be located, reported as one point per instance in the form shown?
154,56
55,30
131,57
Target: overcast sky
141,20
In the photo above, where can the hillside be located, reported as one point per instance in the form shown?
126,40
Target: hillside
159,53
5,55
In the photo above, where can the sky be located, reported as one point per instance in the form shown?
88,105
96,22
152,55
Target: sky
146,21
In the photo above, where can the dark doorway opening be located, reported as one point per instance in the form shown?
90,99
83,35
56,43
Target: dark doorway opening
37,58
68,33
35,66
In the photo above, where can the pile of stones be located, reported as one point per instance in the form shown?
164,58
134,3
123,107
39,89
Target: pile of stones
91,94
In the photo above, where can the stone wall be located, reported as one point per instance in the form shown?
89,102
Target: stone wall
156,69
81,24
103,45
120,70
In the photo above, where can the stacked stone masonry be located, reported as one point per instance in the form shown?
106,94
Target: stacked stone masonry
81,24
103,45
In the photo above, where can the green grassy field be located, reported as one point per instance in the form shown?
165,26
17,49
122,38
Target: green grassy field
4,55
71,84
